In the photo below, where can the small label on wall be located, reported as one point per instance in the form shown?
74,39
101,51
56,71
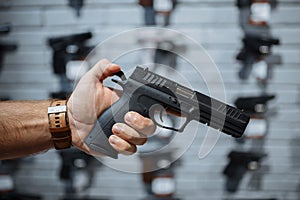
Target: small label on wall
260,12
163,186
260,70
75,69
6,183
163,5
256,128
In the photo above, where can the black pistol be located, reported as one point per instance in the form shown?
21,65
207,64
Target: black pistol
66,48
254,104
257,46
4,46
146,92
240,162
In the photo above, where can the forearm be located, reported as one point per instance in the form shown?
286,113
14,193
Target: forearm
24,128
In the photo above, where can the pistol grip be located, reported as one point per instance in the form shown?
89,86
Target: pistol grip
97,140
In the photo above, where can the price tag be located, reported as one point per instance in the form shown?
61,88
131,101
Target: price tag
163,186
81,180
260,70
163,5
256,128
6,183
75,69
260,12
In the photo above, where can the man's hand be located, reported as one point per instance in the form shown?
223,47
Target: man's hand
90,98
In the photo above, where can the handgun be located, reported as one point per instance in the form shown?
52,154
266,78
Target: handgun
260,44
4,46
255,48
73,164
257,45
4,28
148,93
254,104
66,48
240,162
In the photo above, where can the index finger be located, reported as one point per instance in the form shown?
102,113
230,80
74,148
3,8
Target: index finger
140,123
103,69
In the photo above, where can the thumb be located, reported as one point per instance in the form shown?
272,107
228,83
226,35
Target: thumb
103,69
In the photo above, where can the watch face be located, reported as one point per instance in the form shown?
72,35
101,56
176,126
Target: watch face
57,109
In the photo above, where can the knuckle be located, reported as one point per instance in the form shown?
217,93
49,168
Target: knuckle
141,125
104,61
149,129
129,149
130,137
145,123
148,121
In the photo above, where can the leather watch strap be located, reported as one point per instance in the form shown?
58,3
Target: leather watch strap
59,124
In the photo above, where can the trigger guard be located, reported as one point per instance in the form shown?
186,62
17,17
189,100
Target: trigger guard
151,114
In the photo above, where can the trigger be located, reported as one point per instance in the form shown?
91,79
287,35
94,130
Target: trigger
118,82
161,115
121,75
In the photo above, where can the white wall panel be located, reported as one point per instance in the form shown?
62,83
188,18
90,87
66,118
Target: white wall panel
27,74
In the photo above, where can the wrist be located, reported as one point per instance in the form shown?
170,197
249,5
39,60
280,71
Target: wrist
71,121
79,129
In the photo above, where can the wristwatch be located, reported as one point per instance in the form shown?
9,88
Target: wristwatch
59,124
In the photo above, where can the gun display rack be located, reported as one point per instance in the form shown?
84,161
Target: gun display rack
153,180
256,60
256,56
158,13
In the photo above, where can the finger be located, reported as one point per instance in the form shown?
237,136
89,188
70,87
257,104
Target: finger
110,70
129,134
103,69
121,145
139,123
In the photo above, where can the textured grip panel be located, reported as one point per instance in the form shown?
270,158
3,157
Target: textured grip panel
98,137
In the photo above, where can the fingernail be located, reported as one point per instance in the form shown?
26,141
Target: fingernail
113,139
130,117
117,129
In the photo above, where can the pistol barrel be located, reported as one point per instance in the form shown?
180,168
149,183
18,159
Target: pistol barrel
221,116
